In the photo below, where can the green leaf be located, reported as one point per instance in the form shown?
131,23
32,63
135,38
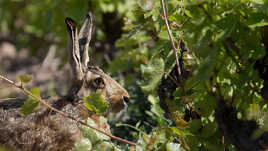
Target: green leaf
206,106
104,146
259,24
152,74
93,135
209,130
195,125
31,103
174,147
163,34
188,13
146,5
131,126
25,78
83,145
96,103
157,112
203,72
257,20
181,132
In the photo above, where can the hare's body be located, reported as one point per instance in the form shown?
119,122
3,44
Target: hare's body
41,130
46,130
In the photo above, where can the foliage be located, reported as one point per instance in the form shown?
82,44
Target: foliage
31,103
96,103
153,74
224,38
94,140
25,78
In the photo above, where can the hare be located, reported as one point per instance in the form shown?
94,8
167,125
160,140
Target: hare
46,130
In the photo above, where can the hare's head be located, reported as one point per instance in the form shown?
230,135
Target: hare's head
88,79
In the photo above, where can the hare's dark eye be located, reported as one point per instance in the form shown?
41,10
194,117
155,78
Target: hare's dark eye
99,83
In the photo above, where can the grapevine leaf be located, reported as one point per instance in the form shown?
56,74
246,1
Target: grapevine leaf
83,145
152,74
96,103
31,103
25,78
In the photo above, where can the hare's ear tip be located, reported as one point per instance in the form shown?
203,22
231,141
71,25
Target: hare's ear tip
70,21
67,19
89,15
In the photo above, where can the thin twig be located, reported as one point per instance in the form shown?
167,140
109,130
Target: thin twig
173,46
62,113
7,99
171,37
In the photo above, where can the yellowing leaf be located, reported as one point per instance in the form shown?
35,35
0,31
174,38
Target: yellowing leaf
181,123
25,78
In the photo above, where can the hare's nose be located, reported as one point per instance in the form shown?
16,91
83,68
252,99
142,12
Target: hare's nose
126,99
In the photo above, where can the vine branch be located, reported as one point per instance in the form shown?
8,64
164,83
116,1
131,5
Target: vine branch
179,70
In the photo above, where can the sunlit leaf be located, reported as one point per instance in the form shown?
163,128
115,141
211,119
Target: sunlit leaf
152,74
96,103
188,13
163,35
174,147
181,123
181,132
31,103
93,135
146,4
25,78
260,24
83,145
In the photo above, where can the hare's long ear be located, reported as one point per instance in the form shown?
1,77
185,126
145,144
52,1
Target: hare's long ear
73,46
74,56
84,39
